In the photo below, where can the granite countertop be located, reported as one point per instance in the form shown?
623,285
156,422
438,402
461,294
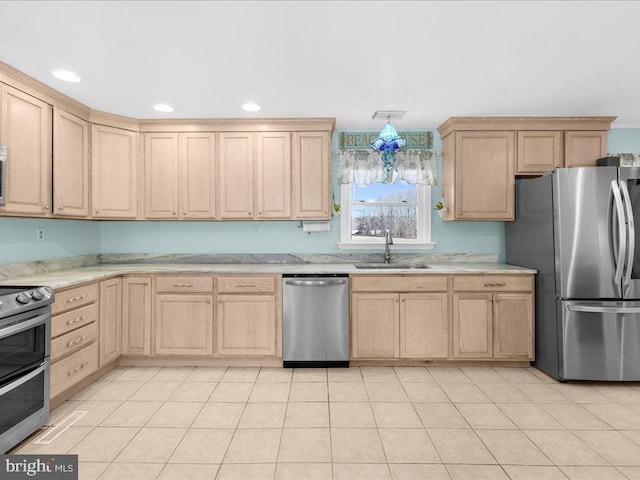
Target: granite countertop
62,278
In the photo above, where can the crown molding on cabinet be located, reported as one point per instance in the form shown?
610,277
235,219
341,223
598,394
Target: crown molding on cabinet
453,124
114,120
238,125
35,88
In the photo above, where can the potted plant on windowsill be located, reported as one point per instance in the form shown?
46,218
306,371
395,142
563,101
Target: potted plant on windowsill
441,209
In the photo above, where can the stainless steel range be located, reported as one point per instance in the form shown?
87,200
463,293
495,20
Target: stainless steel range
25,345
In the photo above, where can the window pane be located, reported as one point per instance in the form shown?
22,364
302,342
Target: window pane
370,221
382,192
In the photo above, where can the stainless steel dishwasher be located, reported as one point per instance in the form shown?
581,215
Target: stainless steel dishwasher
315,320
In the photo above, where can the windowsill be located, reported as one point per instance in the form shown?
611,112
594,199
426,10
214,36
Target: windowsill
380,246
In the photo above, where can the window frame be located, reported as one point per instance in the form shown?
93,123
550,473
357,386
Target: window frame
423,213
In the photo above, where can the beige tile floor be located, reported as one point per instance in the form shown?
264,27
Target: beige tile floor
358,423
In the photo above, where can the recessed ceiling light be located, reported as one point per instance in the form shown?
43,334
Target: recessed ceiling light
163,107
251,107
66,75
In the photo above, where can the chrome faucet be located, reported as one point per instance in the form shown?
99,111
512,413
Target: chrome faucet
388,240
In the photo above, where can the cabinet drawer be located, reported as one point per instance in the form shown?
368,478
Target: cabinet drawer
399,283
247,284
65,322
493,283
73,341
69,371
184,284
74,298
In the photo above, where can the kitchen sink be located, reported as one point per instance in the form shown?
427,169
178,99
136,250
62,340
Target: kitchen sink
411,266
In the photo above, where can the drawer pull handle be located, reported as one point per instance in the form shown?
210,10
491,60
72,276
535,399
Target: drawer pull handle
75,299
77,340
494,284
71,322
72,372
183,284
246,285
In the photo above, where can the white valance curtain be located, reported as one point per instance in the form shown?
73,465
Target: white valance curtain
364,167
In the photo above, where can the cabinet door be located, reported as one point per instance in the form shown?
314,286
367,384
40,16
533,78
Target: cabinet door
513,320
472,325
273,175
236,175
375,325
311,172
26,131
246,325
110,320
114,172
198,175
582,149
539,151
136,316
484,176
183,325
70,165
161,175
424,326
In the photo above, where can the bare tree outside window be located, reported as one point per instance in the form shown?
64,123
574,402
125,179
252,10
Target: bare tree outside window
379,207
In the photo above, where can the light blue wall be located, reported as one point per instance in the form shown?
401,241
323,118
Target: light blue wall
63,238
70,237
624,140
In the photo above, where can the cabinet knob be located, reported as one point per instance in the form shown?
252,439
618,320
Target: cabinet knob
96,211
184,213
45,208
249,213
557,166
173,213
459,212
60,208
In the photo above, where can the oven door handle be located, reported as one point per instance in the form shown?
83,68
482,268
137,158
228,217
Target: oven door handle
22,326
30,376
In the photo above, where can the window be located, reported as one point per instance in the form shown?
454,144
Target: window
369,210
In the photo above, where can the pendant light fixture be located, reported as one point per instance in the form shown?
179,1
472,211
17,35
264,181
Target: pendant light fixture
388,141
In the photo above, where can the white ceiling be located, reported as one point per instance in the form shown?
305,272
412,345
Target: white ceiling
335,59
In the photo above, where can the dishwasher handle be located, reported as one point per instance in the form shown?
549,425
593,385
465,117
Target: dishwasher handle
315,283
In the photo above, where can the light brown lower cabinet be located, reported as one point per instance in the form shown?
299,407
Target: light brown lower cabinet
407,325
498,325
246,325
136,316
375,325
472,325
513,325
110,324
183,324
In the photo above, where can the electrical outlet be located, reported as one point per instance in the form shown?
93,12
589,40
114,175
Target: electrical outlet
40,234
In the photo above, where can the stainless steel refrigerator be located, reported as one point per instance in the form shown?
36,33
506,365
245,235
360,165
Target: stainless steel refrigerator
578,228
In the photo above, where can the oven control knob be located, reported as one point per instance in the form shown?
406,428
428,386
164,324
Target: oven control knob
23,298
37,295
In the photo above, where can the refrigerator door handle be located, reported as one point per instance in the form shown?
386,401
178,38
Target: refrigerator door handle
590,309
622,234
631,232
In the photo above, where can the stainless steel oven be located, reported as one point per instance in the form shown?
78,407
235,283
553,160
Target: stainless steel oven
25,347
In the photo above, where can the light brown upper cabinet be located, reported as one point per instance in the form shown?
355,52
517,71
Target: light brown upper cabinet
180,175
26,131
582,149
539,151
482,155
70,165
255,175
114,172
236,175
197,175
161,175
273,175
311,175
480,175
